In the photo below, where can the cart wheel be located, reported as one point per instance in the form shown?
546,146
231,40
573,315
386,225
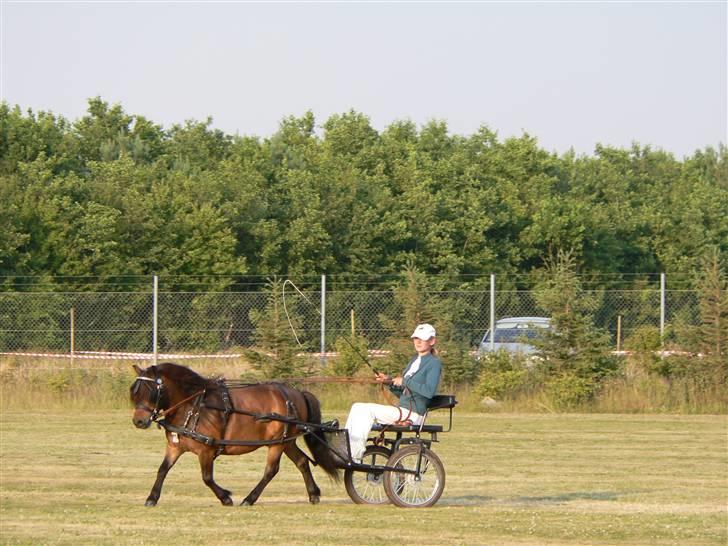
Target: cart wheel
368,487
414,490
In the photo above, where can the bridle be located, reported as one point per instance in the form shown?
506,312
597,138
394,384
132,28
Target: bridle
154,412
158,413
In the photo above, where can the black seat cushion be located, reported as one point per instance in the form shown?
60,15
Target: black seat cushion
407,428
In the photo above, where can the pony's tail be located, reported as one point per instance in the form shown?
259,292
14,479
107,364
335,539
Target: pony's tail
322,455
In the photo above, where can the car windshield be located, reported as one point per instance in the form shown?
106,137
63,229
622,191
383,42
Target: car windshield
513,335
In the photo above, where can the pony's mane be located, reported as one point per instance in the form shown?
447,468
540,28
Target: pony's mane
183,375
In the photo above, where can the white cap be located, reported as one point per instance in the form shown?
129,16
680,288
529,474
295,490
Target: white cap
424,332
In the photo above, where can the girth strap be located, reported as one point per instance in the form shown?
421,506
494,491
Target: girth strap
228,409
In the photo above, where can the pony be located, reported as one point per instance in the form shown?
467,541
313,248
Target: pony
213,417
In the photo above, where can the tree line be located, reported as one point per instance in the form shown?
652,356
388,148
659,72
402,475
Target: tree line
115,194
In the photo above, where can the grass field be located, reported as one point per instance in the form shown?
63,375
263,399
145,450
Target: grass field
81,477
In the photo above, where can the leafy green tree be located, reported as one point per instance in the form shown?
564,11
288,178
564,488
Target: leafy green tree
100,131
24,138
13,238
194,146
351,201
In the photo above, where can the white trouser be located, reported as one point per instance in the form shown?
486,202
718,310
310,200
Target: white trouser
362,417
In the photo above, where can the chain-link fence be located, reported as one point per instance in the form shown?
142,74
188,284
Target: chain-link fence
138,318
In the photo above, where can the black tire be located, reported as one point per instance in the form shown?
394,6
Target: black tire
368,487
410,490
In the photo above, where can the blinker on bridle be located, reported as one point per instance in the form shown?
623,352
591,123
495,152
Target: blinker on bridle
158,382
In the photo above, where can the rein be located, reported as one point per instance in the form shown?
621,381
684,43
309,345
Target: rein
163,413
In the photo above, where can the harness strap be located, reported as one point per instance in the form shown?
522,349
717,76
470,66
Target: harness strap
210,441
291,418
227,410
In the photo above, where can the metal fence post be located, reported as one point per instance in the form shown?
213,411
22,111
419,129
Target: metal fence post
492,312
662,308
73,333
323,320
155,296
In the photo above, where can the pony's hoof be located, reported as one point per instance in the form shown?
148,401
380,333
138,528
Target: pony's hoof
314,499
246,502
226,501
150,502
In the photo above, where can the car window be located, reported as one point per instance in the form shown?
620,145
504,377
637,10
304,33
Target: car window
513,335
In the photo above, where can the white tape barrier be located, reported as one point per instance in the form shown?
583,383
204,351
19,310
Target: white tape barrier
103,355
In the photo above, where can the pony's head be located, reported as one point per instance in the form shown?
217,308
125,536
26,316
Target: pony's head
158,388
148,395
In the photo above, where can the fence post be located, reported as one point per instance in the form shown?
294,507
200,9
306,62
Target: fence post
492,312
619,333
323,320
73,333
662,309
155,295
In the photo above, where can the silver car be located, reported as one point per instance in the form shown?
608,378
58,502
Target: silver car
512,334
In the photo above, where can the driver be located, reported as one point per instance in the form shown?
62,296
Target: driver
415,388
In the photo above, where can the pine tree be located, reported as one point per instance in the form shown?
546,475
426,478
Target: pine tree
575,355
275,326
713,290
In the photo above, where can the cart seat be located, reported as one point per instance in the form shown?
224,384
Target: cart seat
439,401
407,428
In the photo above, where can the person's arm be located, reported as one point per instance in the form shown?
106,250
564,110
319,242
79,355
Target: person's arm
395,389
425,384
397,385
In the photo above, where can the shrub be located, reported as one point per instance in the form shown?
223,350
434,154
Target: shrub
505,375
505,384
569,391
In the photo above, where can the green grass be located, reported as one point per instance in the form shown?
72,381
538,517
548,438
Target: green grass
81,476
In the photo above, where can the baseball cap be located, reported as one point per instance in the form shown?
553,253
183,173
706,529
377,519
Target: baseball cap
424,331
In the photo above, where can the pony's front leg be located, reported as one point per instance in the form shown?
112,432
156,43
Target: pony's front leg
170,457
272,464
207,460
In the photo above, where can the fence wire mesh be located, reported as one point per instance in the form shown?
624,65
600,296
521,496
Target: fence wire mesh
197,320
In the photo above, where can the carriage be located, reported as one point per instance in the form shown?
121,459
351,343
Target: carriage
399,465
213,417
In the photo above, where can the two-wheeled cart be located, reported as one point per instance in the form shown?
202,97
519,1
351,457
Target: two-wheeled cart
398,465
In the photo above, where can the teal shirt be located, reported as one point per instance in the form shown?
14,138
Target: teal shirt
421,386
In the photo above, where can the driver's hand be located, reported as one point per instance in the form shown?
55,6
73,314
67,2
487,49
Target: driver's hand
383,377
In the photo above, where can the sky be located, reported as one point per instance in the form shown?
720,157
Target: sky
570,74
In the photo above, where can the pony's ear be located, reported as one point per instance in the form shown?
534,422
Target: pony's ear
137,369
